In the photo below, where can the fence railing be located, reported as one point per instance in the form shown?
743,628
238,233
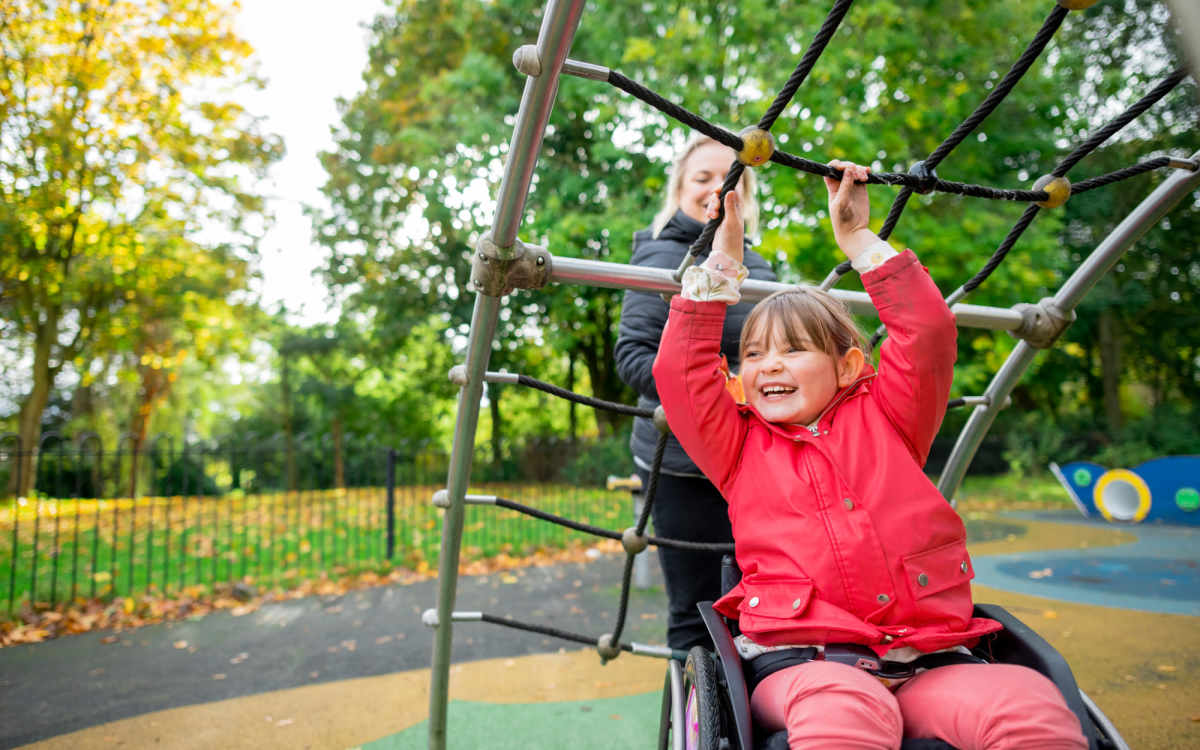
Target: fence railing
216,517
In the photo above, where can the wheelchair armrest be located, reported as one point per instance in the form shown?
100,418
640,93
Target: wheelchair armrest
1019,644
730,664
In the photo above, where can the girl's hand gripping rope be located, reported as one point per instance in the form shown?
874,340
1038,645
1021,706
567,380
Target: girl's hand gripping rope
849,208
728,238
720,277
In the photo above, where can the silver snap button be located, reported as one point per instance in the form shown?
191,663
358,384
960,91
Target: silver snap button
882,598
888,639
796,604
963,566
754,601
922,580
848,503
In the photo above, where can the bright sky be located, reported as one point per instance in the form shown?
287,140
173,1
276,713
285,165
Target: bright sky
310,52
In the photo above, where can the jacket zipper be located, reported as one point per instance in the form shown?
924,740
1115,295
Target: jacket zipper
846,392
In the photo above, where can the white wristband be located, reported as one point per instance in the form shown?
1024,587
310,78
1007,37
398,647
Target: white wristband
873,257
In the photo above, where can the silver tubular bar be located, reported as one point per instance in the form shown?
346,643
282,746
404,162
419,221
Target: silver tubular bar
554,42
479,348
675,679
646,279
559,23
1147,213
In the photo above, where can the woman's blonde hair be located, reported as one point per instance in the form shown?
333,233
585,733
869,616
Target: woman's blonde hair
675,187
808,318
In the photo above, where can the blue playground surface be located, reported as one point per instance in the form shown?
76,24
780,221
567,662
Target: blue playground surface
1160,572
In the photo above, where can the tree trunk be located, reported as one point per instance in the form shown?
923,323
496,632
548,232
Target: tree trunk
154,387
1110,369
289,440
572,418
339,467
29,421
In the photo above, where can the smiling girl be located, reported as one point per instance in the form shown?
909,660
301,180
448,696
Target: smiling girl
856,578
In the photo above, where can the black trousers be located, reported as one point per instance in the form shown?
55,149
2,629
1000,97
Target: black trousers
691,509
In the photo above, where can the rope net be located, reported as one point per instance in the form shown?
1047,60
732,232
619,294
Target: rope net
921,178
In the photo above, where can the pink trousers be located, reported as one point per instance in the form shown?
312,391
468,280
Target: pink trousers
972,706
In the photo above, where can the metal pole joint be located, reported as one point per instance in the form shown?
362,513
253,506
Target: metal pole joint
1042,323
496,271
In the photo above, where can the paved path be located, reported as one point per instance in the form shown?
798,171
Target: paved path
67,684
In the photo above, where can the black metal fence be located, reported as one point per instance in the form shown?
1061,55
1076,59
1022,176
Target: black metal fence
176,519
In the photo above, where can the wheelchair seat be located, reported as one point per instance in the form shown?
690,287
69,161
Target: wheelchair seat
709,699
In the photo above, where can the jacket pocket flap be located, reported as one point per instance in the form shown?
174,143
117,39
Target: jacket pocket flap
938,569
778,598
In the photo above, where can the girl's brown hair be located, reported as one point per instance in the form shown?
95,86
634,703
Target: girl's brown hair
809,318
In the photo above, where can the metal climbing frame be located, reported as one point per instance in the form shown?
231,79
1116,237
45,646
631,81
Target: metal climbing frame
503,263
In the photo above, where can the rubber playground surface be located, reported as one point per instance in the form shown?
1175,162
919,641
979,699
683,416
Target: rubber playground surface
1122,604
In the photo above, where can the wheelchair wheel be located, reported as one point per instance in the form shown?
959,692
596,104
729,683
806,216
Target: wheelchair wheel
702,707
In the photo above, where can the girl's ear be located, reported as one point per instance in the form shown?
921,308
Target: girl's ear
848,367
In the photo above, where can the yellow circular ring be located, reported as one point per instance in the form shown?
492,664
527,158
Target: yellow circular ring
1127,476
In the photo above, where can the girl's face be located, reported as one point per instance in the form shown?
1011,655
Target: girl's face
793,383
703,172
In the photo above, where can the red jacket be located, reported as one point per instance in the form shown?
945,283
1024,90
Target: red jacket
840,536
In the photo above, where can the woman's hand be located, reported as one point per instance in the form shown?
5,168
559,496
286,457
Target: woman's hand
729,236
849,208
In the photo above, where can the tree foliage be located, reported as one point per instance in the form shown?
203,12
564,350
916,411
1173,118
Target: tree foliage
420,151
119,138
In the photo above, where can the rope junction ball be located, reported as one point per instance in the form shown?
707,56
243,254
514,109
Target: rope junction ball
757,146
660,420
606,649
1058,188
632,541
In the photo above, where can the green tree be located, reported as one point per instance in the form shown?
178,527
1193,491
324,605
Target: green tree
419,152
114,116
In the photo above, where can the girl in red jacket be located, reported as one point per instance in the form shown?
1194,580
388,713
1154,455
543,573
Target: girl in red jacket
848,552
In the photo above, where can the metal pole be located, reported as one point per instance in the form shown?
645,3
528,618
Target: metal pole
648,279
1111,248
559,23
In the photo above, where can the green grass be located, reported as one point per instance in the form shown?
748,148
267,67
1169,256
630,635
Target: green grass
52,550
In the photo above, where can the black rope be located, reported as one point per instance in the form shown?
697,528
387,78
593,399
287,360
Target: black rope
1006,85
907,180
893,215
553,518
587,528
1102,135
691,119
1073,158
805,66
545,630
623,606
627,575
660,450
1121,174
1014,234
581,399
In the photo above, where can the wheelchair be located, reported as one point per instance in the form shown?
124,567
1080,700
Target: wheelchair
706,701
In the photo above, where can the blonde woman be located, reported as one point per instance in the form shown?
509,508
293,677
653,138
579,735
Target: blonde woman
686,504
